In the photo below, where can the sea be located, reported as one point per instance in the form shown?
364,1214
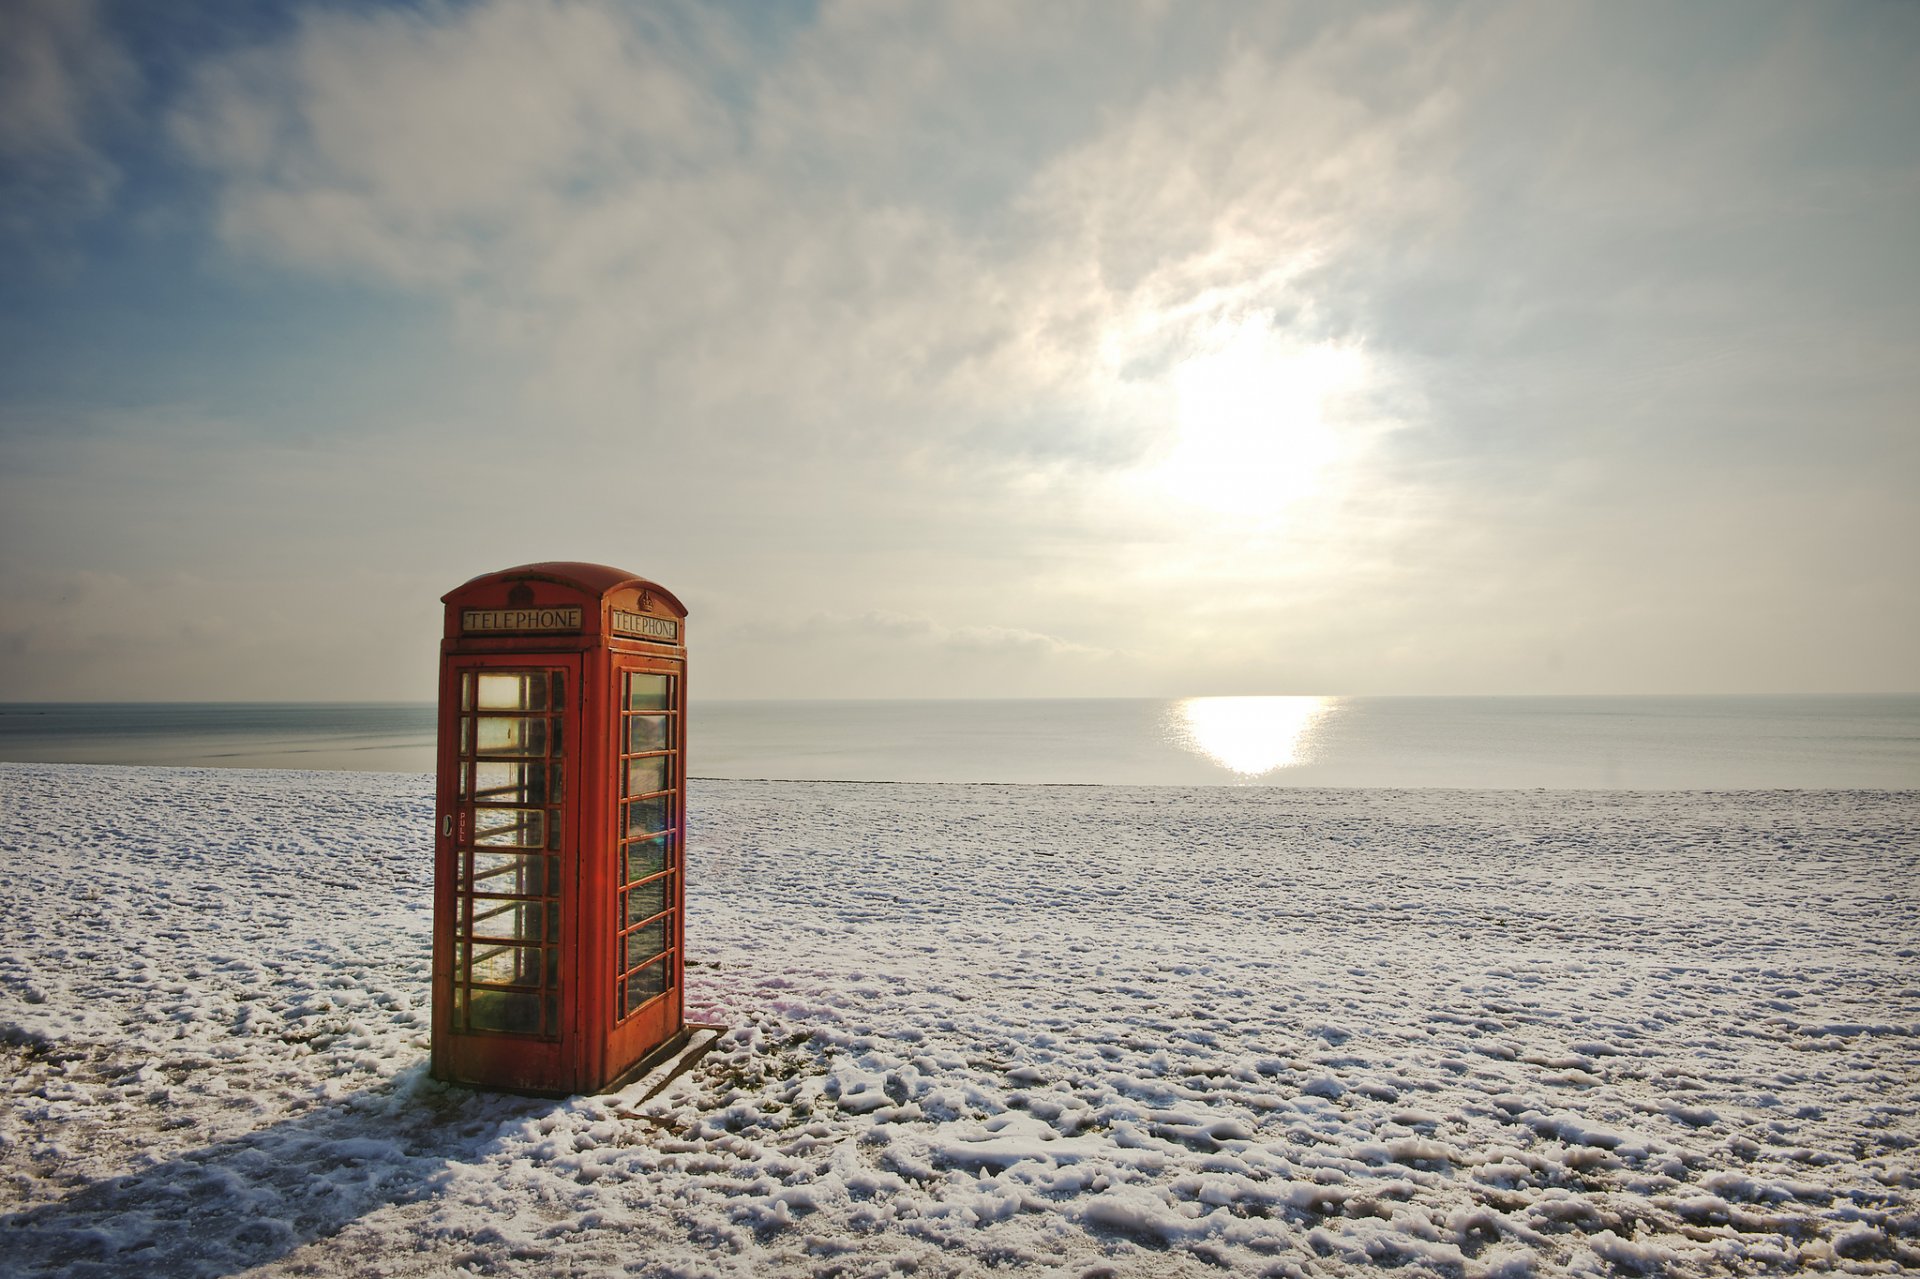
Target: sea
1634,743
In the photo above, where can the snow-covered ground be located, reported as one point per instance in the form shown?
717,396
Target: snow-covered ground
1072,1030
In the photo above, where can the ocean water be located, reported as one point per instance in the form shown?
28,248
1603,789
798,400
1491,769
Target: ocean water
357,737
1640,743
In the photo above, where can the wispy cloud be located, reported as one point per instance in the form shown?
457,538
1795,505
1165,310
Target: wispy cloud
62,74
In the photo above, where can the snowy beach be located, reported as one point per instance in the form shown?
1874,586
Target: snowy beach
1066,1030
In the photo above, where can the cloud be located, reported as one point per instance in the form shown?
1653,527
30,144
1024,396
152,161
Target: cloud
1009,324
61,75
880,653
763,276
427,146
927,632
616,191
772,254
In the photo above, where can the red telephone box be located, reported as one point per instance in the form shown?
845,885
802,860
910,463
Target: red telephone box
559,889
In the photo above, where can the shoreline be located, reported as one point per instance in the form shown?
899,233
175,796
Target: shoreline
1234,788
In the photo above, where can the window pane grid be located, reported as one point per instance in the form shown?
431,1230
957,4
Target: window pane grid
646,869
512,752
646,733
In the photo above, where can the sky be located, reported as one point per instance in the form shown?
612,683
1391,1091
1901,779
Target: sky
970,349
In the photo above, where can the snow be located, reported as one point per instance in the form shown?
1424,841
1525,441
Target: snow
1077,1031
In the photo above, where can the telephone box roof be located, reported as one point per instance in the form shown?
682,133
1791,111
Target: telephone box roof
591,579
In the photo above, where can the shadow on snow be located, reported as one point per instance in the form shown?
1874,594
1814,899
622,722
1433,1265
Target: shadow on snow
252,1199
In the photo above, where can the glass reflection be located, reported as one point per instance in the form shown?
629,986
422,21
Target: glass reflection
647,816
501,735
645,984
516,692
646,732
1251,736
649,692
645,776
645,942
644,901
648,857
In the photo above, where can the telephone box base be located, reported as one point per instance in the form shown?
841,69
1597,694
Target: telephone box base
671,1059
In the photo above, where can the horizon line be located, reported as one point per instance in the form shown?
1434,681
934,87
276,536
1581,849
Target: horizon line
1130,697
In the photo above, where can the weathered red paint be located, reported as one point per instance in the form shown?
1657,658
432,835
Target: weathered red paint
581,1042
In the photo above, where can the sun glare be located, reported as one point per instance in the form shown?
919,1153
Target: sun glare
1252,736
1253,436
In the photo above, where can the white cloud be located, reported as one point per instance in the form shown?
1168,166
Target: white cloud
61,73
662,224
894,311
757,271
414,144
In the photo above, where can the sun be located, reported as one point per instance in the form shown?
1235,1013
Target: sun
1253,436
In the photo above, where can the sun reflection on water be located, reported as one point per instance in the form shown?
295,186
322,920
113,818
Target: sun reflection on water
1251,736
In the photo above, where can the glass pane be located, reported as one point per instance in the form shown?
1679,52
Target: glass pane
502,735
499,782
645,776
649,692
501,692
647,900
645,984
517,920
646,733
645,942
520,691
506,965
510,827
646,816
516,1014
648,857
513,875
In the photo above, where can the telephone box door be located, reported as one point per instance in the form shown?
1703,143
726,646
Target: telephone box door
504,972
649,886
